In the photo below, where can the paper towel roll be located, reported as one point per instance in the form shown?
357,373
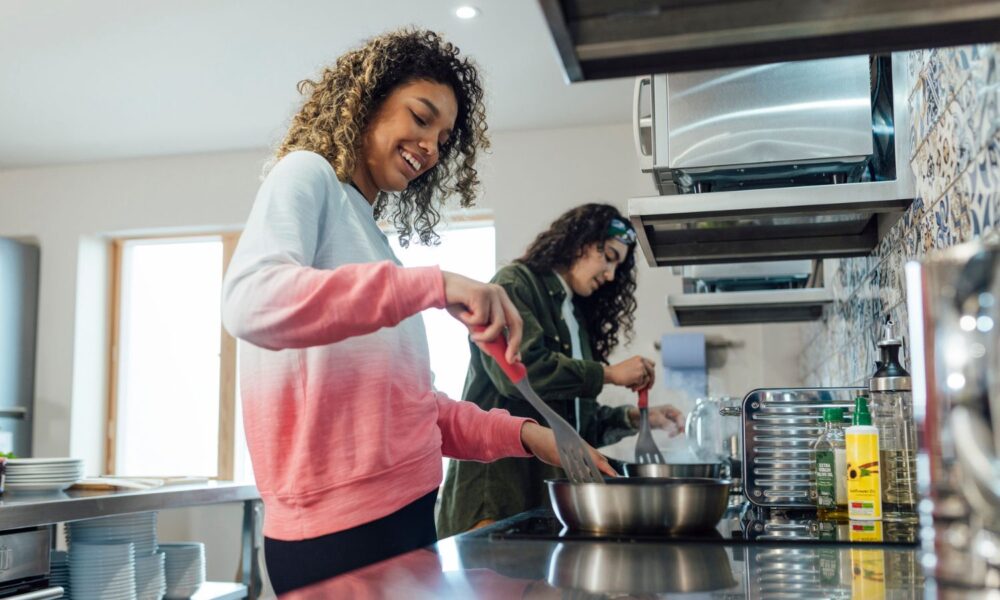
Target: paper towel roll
683,350
684,363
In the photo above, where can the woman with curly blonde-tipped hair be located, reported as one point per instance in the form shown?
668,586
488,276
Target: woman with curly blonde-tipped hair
345,430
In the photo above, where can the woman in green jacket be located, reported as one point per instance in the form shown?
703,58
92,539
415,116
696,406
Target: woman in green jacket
575,290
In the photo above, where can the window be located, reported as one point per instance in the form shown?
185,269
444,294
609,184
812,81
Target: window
466,248
173,368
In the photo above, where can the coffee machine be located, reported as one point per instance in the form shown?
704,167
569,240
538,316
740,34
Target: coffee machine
953,300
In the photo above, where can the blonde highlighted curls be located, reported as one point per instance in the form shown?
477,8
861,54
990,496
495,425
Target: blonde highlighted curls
339,106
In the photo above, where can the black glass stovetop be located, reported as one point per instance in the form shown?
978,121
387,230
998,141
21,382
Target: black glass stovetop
742,523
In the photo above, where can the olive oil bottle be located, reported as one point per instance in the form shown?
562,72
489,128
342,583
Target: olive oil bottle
892,413
830,468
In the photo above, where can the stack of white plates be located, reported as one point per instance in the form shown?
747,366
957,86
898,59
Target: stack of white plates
43,474
137,528
59,570
105,571
150,576
185,568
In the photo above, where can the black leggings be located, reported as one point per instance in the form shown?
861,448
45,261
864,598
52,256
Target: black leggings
291,565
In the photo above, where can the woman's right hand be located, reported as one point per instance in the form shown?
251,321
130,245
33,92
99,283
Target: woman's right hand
541,442
485,305
634,373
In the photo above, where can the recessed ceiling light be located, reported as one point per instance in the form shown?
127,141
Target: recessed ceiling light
466,12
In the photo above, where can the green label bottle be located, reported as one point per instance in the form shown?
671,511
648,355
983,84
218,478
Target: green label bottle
830,467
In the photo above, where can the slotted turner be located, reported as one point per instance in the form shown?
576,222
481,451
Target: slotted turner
645,448
573,451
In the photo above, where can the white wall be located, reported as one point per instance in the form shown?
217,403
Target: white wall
529,179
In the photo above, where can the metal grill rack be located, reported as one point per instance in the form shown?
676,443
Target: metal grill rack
778,427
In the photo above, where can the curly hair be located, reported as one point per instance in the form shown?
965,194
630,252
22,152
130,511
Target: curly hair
341,103
611,308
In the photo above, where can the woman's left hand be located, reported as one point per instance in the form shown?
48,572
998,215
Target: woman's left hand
664,416
541,442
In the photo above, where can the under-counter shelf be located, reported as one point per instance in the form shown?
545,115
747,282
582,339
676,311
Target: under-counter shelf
220,590
21,510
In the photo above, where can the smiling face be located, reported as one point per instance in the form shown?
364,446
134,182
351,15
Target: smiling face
403,139
595,267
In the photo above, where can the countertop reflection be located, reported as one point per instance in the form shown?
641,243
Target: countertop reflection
475,567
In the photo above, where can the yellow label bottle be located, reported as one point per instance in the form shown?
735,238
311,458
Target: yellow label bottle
864,484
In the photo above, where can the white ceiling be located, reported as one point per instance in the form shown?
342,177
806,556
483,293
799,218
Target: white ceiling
103,79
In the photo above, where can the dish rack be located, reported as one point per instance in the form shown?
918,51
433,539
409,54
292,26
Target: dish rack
778,427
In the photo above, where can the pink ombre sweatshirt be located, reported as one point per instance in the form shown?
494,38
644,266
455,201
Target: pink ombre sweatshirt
341,418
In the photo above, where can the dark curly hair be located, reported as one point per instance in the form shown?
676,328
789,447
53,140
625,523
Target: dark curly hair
340,105
611,308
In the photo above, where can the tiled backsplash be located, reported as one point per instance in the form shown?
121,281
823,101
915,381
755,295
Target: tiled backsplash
955,108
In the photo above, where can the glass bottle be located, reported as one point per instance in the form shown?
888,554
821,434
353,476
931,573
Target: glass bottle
830,467
892,413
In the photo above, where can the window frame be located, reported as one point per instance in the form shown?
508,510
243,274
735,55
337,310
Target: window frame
227,355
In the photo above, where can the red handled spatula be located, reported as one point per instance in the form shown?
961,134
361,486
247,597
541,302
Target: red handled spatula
573,451
646,450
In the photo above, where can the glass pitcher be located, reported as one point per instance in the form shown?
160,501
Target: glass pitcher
713,437
953,300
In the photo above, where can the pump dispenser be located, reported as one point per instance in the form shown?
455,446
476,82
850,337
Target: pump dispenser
892,413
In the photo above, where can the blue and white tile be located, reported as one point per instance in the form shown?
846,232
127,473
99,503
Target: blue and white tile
915,65
950,73
943,236
962,137
961,213
932,101
926,233
983,110
929,182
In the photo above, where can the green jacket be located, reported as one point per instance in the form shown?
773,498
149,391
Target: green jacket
474,491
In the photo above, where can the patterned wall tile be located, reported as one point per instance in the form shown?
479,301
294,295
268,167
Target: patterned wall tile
915,64
960,129
931,89
951,75
927,168
955,134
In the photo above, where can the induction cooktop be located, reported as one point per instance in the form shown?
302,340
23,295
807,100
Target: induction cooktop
743,523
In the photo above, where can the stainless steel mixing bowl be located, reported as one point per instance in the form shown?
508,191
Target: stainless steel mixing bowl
639,504
711,470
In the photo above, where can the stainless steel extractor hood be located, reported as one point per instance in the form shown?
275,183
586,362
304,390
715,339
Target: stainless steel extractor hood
600,39
800,160
767,292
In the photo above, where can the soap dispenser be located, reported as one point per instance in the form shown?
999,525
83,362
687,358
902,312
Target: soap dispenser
889,392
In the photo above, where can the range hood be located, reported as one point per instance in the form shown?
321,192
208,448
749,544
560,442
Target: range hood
766,292
739,308
776,162
600,39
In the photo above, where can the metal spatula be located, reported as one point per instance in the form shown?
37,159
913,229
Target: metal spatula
573,451
645,448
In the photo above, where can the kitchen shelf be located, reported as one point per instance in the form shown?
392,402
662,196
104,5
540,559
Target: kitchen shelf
30,510
24,510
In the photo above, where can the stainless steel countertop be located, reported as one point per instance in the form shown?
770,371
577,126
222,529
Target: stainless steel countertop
477,567
27,510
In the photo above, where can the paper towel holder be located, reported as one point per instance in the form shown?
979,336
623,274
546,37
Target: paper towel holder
711,343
